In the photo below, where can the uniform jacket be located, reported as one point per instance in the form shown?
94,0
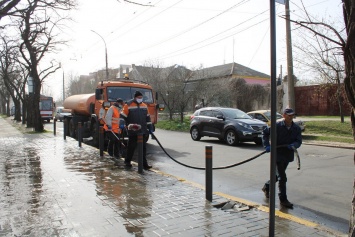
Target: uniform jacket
285,136
135,113
112,119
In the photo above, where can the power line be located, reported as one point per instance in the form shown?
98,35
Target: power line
143,22
168,55
189,29
120,26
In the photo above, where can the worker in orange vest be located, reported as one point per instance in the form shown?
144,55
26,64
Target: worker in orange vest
112,125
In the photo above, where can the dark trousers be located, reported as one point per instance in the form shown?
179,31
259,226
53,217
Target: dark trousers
282,178
132,144
113,147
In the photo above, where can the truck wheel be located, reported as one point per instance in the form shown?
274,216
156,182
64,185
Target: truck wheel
95,134
72,130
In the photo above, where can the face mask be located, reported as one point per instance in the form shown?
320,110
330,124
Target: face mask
139,100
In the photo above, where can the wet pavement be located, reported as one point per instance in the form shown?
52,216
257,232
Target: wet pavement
52,187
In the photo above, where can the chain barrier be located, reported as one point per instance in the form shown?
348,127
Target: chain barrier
228,166
203,168
221,167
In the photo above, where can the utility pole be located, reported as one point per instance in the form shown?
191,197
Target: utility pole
290,79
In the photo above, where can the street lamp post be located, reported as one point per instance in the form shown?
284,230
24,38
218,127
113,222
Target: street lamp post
105,52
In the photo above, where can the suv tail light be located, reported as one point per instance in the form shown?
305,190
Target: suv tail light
191,117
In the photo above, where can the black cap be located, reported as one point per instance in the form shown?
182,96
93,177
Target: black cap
119,100
289,111
138,93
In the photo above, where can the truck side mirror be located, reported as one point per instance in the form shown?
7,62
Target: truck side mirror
161,107
98,94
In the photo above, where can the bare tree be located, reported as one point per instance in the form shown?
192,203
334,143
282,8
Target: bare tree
166,85
8,8
322,57
210,91
181,90
5,98
347,47
38,24
10,73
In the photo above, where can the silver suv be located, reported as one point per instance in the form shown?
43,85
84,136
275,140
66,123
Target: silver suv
228,124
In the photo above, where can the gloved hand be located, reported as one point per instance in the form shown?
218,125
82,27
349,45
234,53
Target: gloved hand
109,127
290,147
150,131
122,126
267,148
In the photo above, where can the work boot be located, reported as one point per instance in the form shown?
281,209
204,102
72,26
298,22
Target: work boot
147,167
266,191
128,165
286,203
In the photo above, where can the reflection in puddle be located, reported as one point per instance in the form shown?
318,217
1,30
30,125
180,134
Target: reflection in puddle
122,190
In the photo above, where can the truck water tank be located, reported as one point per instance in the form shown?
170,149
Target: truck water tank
79,104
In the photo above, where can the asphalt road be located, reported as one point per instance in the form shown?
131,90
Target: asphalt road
321,190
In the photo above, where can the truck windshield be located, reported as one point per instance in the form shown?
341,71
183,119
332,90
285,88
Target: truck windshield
45,104
127,93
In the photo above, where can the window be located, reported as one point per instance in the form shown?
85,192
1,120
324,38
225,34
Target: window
127,93
207,113
260,117
216,113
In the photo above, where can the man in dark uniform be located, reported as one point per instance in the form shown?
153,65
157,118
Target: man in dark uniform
137,118
288,135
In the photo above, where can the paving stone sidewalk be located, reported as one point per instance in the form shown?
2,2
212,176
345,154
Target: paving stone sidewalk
51,187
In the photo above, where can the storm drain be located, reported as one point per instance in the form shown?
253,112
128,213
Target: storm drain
232,206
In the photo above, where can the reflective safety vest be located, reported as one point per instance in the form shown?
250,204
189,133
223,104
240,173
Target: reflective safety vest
113,119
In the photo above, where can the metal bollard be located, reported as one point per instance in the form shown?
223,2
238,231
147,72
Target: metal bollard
101,141
54,126
209,166
140,152
79,133
65,124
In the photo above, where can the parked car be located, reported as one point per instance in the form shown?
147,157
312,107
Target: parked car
265,116
228,124
59,113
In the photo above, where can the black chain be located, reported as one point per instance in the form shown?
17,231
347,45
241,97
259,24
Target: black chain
203,168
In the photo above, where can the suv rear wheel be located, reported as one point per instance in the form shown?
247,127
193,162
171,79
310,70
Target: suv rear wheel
231,138
195,134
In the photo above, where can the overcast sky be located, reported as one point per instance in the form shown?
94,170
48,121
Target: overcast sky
185,32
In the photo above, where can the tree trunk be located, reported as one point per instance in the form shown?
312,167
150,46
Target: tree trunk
340,101
349,81
37,119
17,110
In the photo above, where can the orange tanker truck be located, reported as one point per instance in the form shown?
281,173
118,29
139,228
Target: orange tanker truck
85,108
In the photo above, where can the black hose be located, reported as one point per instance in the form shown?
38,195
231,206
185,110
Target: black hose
203,168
